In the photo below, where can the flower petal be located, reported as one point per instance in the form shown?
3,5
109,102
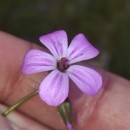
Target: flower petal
80,49
87,80
38,61
56,42
54,88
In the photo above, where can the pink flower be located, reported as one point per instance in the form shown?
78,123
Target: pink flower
54,88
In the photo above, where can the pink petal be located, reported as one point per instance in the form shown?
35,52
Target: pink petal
80,49
38,61
87,80
56,42
69,126
54,88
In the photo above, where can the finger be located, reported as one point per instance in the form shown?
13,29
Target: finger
22,122
108,110
14,85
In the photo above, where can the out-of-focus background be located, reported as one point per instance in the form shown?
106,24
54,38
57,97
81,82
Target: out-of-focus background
106,23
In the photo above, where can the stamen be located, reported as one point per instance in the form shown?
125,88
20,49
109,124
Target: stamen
62,65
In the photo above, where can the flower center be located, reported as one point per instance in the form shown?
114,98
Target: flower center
62,64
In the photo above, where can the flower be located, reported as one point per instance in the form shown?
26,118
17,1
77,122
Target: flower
54,89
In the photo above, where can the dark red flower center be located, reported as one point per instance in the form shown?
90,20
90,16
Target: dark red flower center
62,65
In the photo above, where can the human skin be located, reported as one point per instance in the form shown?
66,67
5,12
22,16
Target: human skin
108,110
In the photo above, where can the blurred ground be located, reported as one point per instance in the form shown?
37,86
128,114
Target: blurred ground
106,23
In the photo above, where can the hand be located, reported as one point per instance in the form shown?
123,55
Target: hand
108,110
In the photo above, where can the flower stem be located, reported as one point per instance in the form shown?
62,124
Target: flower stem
65,112
20,102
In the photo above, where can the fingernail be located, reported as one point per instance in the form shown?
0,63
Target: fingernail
19,121
6,124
